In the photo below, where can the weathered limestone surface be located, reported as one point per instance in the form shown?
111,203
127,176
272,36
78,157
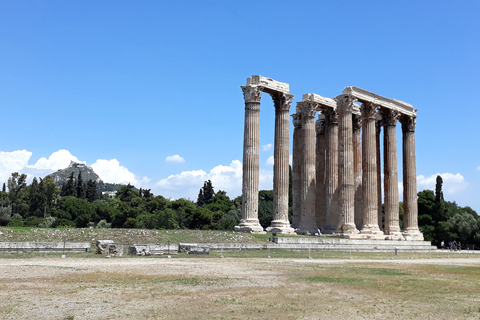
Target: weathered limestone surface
45,246
109,248
332,217
357,169
392,226
251,146
308,223
410,208
268,85
280,223
321,188
369,177
346,183
378,127
152,249
297,160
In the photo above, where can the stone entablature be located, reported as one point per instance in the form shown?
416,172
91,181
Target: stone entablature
269,85
366,96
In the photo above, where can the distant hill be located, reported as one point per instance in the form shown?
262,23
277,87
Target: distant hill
62,175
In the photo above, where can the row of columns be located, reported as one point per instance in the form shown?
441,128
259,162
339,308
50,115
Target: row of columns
336,172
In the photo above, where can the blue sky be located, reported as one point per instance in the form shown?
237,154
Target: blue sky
149,93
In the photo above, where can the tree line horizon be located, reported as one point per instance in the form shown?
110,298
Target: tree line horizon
79,204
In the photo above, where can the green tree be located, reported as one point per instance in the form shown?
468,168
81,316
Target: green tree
80,187
68,189
51,191
265,207
77,212
37,198
205,194
17,193
126,193
91,192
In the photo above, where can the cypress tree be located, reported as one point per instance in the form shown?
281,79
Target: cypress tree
68,189
80,187
91,193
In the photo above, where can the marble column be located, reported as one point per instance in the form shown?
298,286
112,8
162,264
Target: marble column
346,183
332,217
280,222
321,188
410,208
308,223
369,172
357,169
297,159
251,145
378,127
392,226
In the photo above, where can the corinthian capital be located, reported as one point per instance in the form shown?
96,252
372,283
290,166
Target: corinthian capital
252,93
368,110
389,117
345,103
282,101
408,123
307,109
357,122
297,120
331,117
320,126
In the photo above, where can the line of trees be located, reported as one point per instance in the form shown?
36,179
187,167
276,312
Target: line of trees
78,204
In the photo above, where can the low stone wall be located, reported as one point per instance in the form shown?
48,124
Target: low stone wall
45,247
153,249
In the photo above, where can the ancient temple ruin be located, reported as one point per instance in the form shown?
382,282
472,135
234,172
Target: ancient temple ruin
336,164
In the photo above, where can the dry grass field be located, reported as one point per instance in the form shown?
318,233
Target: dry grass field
254,287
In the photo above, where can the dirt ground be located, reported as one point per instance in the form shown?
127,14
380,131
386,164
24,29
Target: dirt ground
238,288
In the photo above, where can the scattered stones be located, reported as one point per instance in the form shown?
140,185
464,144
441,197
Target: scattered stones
109,248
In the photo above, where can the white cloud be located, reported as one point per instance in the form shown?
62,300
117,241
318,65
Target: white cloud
452,183
13,161
57,160
227,178
270,161
175,158
267,147
111,171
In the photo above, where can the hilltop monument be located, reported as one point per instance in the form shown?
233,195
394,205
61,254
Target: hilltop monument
336,164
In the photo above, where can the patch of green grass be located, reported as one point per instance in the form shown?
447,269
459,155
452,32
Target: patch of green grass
340,280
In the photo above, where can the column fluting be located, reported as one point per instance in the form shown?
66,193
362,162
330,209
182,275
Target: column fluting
390,170
369,171
297,155
346,188
251,145
321,188
378,127
280,222
332,216
410,208
357,169
308,224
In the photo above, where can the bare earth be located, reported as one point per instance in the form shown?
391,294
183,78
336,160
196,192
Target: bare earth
238,288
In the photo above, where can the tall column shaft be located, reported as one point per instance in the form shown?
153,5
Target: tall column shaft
321,189
369,166
251,146
332,216
357,169
392,226
346,187
410,207
308,224
378,127
280,222
296,167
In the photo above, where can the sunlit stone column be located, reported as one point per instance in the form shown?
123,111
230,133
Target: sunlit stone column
357,168
378,127
369,172
308,223
251,145
346,183
331,171
410,209
280,222
297,159
392,226
321,188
